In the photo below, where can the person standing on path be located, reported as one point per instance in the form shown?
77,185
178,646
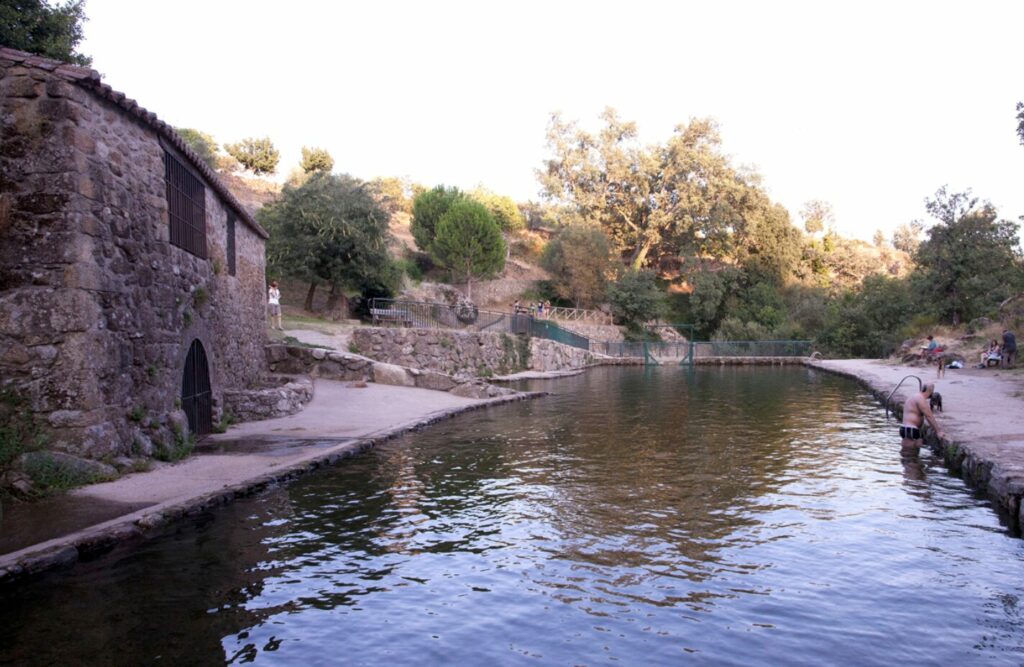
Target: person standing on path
915,410
1009,349
274,306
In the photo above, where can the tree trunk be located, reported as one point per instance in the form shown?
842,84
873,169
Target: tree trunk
309,296
640,254
337,305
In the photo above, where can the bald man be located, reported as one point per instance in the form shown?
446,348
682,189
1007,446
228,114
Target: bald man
915,410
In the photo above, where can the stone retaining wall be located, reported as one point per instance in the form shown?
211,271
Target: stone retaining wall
284,396
331,365
464,354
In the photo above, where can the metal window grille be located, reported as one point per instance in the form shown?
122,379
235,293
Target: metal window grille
186,205
231,244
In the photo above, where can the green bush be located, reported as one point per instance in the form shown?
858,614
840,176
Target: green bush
636,299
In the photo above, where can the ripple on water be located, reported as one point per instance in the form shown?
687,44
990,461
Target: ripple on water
730,516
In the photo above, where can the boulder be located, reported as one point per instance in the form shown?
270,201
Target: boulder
393,375
435,381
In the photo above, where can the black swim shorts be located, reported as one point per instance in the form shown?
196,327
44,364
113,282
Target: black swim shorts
910,433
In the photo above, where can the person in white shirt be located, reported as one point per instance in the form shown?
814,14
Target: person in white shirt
274,306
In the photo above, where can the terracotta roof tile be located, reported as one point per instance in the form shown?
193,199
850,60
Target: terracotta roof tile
90,80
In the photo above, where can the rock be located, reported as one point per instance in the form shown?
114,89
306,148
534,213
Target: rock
393,375
123,464
471,390
435,381
73,470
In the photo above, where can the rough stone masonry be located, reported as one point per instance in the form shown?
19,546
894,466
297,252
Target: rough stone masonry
98,308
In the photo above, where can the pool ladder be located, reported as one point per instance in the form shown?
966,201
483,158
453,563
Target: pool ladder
920,386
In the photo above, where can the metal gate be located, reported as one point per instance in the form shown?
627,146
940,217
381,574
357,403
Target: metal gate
195,391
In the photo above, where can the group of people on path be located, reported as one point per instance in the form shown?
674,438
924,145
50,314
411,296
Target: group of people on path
536,308
918,408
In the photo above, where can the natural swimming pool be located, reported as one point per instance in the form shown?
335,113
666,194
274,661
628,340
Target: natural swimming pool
724,516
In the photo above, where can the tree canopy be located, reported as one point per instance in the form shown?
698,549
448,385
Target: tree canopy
680,197
53,31
579,260
468,241
970,260
427,210
316,159
503,209
257,155
329,229
202,143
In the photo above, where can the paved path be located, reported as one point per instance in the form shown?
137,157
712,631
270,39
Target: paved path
983,418
342,418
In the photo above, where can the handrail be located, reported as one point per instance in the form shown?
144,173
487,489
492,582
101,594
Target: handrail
423,314
578,315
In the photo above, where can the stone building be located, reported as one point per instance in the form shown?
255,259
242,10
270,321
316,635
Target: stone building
131,280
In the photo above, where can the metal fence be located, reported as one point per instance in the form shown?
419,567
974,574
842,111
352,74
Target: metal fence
752,348
441,316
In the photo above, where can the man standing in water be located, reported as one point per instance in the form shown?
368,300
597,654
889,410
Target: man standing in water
915,410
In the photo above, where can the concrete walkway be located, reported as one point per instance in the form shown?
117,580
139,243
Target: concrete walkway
983,418
342,419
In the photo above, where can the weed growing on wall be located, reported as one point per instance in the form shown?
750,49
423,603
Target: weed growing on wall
19,432
181,447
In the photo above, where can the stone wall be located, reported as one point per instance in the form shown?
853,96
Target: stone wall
467,354
601,332
97,308
332,365
284,396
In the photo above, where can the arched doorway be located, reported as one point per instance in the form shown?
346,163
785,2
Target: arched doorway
195,390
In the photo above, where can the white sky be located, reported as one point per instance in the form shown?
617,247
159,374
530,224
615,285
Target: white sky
870,106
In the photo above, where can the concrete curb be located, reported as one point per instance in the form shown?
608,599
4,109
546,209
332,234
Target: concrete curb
145,523
978,470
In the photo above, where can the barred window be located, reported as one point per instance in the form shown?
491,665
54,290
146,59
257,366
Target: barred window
231,244
186,205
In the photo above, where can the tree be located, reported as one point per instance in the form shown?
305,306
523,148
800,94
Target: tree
257,155
579,260
907,237
878,239
650,200
817,216
329,230
468,241
316,159
390,193
53,31
970,261
202,143
636,299
427,210
1020,122
503,209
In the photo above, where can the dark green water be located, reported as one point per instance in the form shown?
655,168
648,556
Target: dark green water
729,516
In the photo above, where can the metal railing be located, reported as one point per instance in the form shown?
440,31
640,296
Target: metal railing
578,315
752,348
442,316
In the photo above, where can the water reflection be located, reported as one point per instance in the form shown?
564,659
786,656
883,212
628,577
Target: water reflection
732,515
